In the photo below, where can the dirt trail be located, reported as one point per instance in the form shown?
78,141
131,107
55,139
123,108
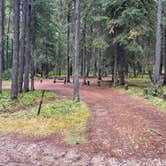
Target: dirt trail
122,127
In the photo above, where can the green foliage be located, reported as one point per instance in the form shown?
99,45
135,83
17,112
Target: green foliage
136,88
24,100
156,91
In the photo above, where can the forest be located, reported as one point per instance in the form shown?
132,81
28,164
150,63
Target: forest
115,38
90,74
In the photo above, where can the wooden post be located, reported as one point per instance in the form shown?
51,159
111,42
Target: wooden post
54,80
145,91
41,102
126,87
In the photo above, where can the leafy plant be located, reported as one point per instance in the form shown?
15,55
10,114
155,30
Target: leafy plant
156,91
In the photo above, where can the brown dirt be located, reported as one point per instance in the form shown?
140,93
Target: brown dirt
122,126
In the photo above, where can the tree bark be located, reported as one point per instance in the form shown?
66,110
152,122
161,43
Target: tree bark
76,95
68,44
158,45
84,54
32,72
14,86
22,49
2,18
115,66
27,47
164,81
7,43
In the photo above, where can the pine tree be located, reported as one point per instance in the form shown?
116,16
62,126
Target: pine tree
14,87
158,45
76,95
2,19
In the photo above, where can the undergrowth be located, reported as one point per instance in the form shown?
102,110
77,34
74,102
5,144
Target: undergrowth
136,87
64,116
24,100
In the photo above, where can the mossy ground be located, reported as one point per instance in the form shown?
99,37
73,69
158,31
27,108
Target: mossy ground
136,87
24,100
62,115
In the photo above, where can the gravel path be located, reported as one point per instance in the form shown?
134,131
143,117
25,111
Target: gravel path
42,153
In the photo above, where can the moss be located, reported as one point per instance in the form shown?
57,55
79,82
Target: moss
24,99
61,116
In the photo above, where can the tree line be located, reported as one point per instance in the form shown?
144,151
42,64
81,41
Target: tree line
81,38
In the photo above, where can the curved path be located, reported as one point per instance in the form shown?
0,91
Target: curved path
123,130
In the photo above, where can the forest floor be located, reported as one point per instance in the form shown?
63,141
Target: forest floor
123,130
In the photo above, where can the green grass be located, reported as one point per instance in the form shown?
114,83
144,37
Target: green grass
24,100
136,88
64,116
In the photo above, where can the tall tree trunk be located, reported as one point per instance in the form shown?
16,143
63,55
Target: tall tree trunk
2,18
95,66
59,57
121,65
22,49
27,47
68,44
164,53
14,86
76,95
84,54
99,77
7,43
32,71
158,45
115,66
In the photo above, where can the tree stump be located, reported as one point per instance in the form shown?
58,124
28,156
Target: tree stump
88,83
41,81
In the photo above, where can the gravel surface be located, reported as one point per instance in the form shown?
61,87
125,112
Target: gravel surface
16,153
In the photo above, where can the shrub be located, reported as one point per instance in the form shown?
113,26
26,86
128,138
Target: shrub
156,91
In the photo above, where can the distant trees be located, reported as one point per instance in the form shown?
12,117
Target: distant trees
108,37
